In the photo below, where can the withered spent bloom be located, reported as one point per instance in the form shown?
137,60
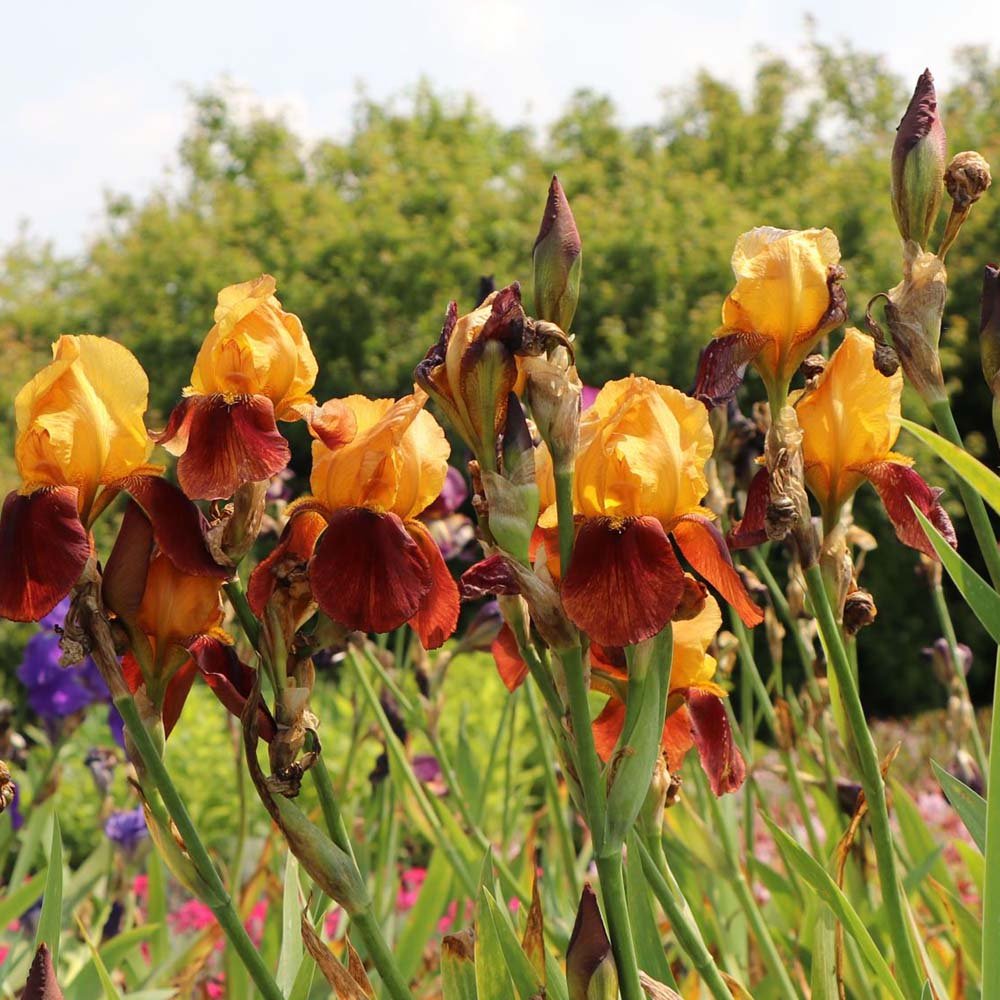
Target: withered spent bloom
989,337
918,162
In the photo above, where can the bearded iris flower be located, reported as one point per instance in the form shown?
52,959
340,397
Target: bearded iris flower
254,367
850,421
80,441
639,481
787,296
372,565
696,716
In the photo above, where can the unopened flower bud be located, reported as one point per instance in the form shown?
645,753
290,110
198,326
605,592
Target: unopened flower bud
7,787
918,162
966,770
943,663
590,966
553,391
558,260
859,611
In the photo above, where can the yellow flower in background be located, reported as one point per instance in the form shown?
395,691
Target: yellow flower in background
395,463
787,295
80,419
850,419
256,348
639,477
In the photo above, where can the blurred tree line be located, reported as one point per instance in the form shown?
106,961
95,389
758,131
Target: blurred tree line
369,237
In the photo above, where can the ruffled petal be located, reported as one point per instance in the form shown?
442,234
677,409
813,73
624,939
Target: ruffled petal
752,530
677,737
178,689
231,680
705,548
124,580
367,573
437,616
179,527
607,728
295,548
722,365
712,736
489,577
897,485
506,655
624,583
224,445
43,547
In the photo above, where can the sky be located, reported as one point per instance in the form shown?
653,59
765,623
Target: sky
96,93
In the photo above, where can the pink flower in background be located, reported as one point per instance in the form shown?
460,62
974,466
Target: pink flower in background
191,916
332,923
412,880
216,987
140,886
256,921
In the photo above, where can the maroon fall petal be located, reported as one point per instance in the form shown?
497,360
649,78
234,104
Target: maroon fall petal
367,573
897,485
705,548
43,548
223,445
178,525
624,582
722,365
752,529
507,657
437,616
178,688
231,680
124,578
710,731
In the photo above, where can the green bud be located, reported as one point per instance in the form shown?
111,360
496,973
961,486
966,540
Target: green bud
918,164
590,966
558,260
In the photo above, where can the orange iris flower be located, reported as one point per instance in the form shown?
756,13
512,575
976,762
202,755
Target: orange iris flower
80,440
639,480
696,716
787,296
254,367
372,565
850,420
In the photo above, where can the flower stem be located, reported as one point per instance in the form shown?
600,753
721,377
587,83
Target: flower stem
991,893
871,781
944,420
219,900
238,599
612,876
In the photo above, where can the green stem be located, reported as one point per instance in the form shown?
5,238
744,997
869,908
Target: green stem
948,628
219,901
685,928
378,951
872,782
944,420
991,894
246,618
612,876
746,899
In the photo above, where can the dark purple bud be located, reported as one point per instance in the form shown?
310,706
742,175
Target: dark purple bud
558,260
590,966
918,163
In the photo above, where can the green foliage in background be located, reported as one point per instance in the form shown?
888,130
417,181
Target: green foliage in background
371,235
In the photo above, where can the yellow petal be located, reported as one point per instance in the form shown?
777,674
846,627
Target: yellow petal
256,348
643,449
396,462
80,419
692,666
851,418
781,291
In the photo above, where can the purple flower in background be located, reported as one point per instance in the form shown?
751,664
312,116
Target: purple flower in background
452,531
587,396
453,494
126,829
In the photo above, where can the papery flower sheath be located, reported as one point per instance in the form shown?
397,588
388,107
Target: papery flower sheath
254,367
639,480
787,295
696,716
850,421
372,565
80,440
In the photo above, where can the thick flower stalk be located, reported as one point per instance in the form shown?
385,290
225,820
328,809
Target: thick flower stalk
638,485
372,564
254,367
